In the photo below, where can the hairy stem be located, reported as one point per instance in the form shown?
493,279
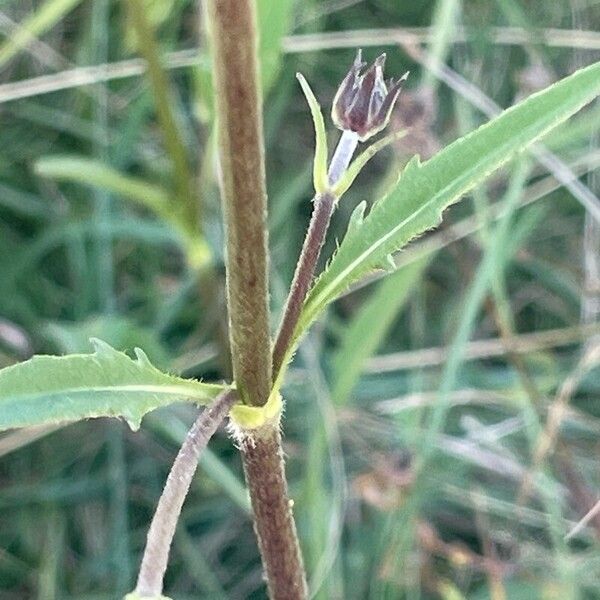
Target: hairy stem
273,519
164,522
324,205
305,270
233,35
234,49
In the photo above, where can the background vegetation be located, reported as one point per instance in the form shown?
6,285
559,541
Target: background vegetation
498,323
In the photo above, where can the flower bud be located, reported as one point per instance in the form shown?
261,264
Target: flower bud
363,102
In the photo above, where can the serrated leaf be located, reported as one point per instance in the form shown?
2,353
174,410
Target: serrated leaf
422,193
416,203
107,383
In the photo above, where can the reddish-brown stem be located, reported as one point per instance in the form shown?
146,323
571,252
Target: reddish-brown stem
305,271
272,507
239,117
243,193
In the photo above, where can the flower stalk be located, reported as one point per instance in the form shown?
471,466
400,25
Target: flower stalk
361,108
323,207
342,156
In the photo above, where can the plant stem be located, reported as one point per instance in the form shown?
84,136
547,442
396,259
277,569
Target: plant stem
243,190
273,519
234,49
324,205
164,522
342,156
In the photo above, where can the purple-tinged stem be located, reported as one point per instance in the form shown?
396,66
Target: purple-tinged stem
241,151
164,522
305,271
273,517
324,205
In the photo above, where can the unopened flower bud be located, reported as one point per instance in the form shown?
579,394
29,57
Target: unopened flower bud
364,102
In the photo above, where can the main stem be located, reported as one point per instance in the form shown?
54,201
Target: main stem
239,107
243,192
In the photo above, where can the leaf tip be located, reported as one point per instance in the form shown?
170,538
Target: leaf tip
142,358
134,421
102,348
320,161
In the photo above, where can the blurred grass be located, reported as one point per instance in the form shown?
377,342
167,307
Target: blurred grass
406,479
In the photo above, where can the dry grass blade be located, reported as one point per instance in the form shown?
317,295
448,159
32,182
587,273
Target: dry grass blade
83,76
481,349
15,440
392,36
556,414
42,52
593,512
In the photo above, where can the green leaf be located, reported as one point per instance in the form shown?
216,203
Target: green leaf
422,193
116,330
97,174
320,181
107,383
416,203
158,12
274,22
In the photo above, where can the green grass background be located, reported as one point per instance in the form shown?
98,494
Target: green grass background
84,251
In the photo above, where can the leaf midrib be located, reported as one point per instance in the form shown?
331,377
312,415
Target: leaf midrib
158,389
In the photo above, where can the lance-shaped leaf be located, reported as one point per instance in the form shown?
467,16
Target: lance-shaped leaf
422,193
320,161
107,383
415,204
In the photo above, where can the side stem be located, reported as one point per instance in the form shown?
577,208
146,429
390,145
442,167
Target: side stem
164,522
324,205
